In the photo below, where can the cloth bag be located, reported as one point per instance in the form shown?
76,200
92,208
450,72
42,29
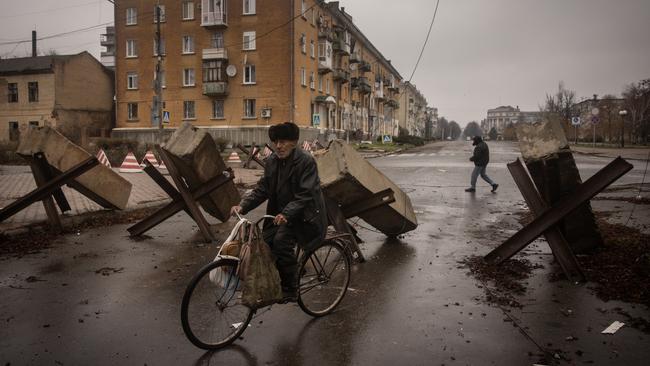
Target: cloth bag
258,272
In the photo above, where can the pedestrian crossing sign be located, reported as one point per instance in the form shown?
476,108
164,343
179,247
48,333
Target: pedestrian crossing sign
165,116
388,138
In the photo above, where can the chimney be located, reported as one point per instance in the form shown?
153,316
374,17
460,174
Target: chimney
33,43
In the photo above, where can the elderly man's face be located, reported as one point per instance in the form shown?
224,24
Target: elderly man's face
284,147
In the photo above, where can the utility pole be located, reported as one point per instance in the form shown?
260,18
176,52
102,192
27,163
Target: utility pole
157,99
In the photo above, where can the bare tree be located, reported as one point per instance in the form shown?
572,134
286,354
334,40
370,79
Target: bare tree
559,105
473,129
455,130
637,104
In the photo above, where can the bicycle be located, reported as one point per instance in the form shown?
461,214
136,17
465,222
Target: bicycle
213,315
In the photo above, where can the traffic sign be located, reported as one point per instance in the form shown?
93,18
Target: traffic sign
595,120
166,118
388,138
595,111
575,121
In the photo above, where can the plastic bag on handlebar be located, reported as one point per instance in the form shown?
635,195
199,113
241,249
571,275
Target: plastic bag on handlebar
230,247
259,273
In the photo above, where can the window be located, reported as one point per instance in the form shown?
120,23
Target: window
188,110
33,124
312,81
217,109
249,7
188,10
327,86
213,71
249,108
303,77
188,44
132,111
188,77
216,41
155,46
131,48
320,83
32,91
249,74
12,92
303,43
303,8
313,16
131,16
14,131
131,80
249,41
312,49
162,13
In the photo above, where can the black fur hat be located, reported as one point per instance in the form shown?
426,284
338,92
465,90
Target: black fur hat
284,131
477,140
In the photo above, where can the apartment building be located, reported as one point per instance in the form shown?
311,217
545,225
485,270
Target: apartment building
72,93
235,67
107,40
412,117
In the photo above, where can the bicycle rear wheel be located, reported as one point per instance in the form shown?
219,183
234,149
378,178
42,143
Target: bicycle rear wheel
212,313
324,279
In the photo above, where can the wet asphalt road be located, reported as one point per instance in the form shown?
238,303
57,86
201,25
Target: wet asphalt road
101,298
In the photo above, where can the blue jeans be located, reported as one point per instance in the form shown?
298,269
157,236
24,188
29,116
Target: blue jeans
480,170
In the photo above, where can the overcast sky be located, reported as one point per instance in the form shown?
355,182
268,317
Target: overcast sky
481,53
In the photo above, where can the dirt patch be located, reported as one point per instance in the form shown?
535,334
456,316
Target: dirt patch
35,240
503,282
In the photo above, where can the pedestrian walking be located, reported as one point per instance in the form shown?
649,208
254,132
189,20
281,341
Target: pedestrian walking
481,158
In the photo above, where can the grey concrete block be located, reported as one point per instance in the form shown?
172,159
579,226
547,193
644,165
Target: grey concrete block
347,177
62,154
196,156
539,140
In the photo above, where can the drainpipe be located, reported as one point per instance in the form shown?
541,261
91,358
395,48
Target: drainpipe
292,64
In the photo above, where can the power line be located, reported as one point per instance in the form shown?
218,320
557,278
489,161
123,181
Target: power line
59,34
425,41
49,10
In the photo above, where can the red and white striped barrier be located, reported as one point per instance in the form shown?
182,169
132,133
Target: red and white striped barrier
306,145
103,159
130,164
234,158
162,167
151,157
267,152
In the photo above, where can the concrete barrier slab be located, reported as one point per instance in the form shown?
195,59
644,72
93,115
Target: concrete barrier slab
347,177
62,154
197,158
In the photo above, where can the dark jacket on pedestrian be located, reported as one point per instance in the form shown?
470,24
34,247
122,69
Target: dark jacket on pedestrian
292,187
481,156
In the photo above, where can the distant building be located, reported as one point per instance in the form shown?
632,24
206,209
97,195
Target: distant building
499,118
228,67
72,93
431,122
607,120
107,40
412,117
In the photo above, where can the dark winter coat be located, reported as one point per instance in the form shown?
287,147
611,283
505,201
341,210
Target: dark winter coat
292,187
481,156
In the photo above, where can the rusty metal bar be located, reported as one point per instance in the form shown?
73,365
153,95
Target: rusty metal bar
48,174
559,246
599,181
187,197
337,220
382,198
252,155
46,190
40,171
178,204
163,183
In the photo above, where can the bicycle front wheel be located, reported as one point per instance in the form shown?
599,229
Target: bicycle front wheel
212,313
324,279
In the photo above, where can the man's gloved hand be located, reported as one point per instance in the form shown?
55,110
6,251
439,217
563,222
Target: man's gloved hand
280,219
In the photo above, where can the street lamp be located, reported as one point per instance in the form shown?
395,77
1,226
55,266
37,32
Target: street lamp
622,113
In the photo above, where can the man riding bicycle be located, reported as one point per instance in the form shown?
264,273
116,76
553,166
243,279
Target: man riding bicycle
292,187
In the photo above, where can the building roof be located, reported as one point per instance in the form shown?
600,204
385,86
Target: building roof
30,65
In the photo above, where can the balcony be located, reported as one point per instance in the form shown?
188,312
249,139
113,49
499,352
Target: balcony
214,19
362,85
107,59
341,75
325,33
355,58
364,66
341,47
107,40
393,103
214,54
215,89
324,67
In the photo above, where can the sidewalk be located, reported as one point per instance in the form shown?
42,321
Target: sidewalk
634,153
17,181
